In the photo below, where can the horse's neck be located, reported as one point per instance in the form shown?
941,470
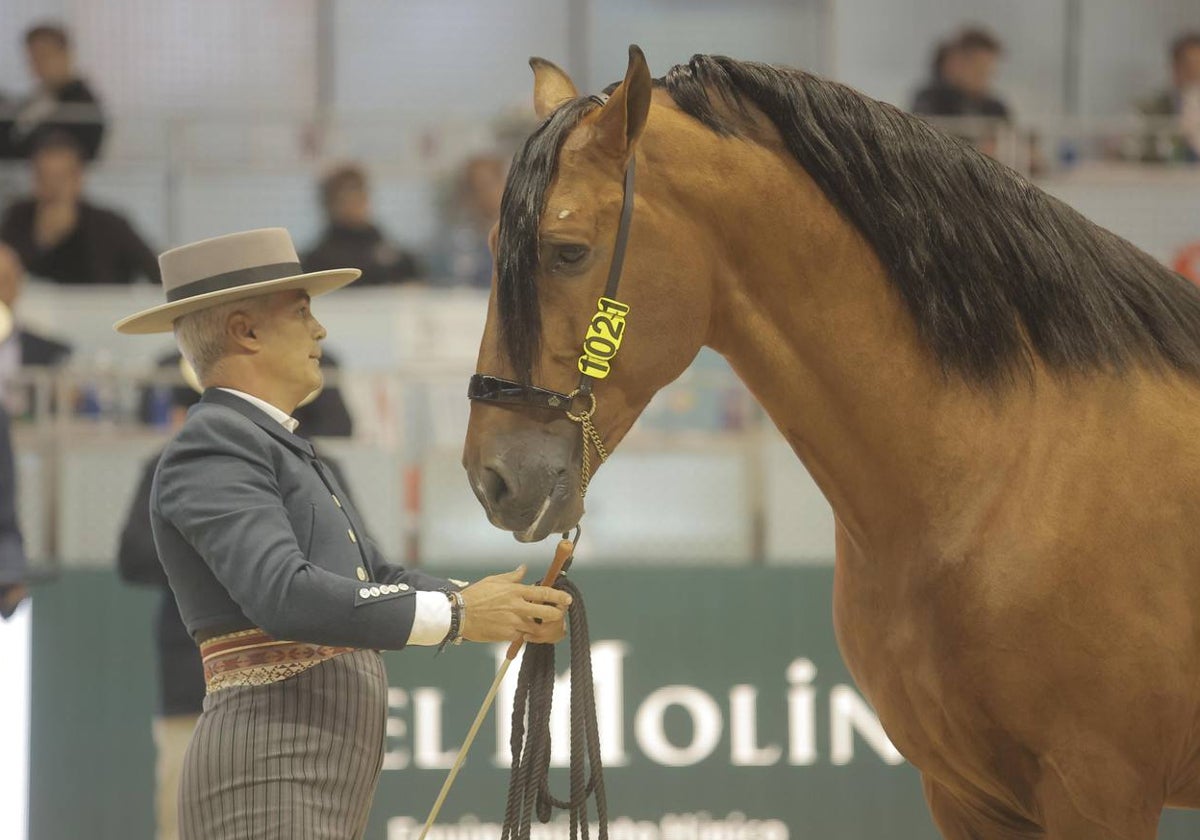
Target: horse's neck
808,320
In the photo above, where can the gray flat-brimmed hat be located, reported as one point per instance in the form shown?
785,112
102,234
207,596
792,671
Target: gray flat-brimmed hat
228,268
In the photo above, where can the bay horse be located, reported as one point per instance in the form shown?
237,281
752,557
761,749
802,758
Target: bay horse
1000,400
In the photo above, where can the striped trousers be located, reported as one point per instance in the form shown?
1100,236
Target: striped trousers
297,759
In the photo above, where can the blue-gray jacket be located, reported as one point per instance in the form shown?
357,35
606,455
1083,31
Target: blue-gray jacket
254,531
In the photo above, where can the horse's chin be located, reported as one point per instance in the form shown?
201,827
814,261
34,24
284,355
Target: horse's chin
557,516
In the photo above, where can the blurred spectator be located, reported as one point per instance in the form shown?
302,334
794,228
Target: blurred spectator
61,102
963,72
474,209
13,566
180,672
23,348
60,236
352,238
1181,102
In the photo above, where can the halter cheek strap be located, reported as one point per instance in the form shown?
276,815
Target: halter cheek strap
605,333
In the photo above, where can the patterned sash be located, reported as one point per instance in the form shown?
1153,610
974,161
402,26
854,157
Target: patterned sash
251,657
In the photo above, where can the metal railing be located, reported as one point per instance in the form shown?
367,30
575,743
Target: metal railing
691,483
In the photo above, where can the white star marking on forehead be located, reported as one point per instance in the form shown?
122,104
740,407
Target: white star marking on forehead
562,214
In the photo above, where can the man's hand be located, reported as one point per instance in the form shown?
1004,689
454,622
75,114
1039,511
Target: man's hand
501,609
10,598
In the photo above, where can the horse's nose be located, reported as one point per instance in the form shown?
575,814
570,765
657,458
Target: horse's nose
495,485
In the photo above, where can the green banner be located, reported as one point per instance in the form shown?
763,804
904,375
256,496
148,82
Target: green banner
725,713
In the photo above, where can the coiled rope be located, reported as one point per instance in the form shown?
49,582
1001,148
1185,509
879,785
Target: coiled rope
529,783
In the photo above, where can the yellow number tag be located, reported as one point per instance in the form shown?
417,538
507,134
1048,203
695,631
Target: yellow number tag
603,338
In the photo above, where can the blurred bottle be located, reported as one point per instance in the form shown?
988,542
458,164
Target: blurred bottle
97,395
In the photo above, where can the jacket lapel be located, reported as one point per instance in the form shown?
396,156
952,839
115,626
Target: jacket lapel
266,422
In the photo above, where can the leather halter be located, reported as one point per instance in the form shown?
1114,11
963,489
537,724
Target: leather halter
495,389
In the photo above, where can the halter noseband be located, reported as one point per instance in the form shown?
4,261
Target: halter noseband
600,345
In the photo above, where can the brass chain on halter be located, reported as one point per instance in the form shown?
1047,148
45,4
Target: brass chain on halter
590,435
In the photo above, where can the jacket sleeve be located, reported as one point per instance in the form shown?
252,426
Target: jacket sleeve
137,557
392,573
218,487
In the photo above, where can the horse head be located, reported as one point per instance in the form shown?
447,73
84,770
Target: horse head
581,330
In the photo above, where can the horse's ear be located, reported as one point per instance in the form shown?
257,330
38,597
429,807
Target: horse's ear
551,86
623,116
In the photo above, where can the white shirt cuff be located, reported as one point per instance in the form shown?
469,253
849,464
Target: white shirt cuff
432,620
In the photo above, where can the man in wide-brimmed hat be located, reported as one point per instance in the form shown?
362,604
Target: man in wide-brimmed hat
270,565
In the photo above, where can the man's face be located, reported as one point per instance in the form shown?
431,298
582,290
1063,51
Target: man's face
1187,68
49,62
974,69
57,175
291,343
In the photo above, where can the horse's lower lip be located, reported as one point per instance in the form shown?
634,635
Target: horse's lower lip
530,533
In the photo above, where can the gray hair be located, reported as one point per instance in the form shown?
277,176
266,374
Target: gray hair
201,335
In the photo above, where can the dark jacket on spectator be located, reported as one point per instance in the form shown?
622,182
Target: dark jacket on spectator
40,350
76,112
180,673
364,248
939,99
103,247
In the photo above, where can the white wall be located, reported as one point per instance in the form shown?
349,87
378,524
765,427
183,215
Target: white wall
425,57
670,32
14,722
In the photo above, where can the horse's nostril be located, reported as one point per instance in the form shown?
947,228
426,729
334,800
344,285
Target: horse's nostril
494,487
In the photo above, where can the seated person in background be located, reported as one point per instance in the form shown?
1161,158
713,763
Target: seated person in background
474,208
1181,101
350,236
323,413
23,348
964,68
60,236
61,102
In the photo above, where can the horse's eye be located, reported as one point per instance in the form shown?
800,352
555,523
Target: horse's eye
570,255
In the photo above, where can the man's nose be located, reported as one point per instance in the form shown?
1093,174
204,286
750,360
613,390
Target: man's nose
321,333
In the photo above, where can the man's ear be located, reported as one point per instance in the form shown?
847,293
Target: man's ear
240,330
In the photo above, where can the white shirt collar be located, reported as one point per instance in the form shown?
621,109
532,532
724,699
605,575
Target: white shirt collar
282,417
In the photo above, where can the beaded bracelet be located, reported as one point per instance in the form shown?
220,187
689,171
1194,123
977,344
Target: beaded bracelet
458,614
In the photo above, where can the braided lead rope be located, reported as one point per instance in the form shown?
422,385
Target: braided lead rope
529,783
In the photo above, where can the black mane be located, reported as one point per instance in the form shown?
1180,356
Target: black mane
993,270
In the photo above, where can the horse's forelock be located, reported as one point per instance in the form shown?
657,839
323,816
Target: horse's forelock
521,208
